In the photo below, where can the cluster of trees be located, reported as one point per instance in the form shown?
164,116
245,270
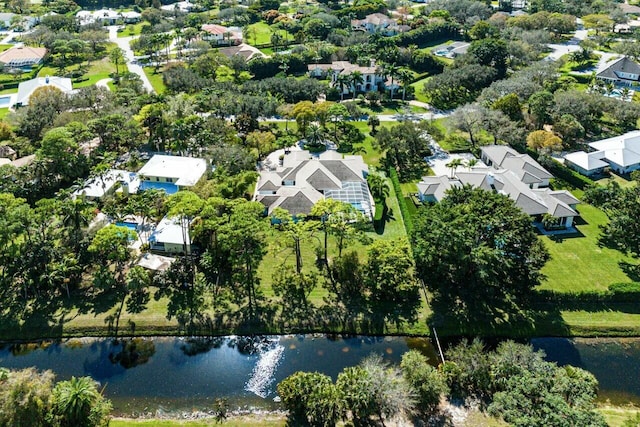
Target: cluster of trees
621,206
32,398
514,383
477,253
516,109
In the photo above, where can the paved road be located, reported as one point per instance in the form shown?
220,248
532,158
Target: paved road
123,43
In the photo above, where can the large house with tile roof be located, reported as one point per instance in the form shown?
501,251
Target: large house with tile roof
515,175
372,79
378,23
303,180
621,71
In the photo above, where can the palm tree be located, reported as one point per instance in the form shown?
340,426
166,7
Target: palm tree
624,94
453,165
315,136
391,70
342,81
378,187
76,402
356,79
471,163
76,214
404,77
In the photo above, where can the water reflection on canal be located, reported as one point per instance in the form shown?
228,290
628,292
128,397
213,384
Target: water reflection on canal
179,374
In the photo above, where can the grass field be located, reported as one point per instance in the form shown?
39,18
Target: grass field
260,34
155,79
578,263
617,415
4,112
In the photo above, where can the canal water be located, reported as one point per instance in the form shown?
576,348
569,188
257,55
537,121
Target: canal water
170,374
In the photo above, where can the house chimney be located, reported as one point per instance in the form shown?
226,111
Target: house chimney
372,62
491,180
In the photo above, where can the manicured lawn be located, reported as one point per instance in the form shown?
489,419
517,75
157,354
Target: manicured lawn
155,79
419,94
578,263
131,30
4,47
98,70
260,33
3,112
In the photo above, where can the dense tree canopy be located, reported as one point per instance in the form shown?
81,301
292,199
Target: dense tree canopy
476,249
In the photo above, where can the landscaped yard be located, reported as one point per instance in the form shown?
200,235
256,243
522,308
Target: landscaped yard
418,87
578,263
98,70
260,34
155,79
244,421
131,30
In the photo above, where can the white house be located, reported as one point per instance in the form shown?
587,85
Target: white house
114,180
26,89
378,23
181,6
588,164
171,173
535,202
171,237
372,80
102,16
131,17
622,152
303,180
222,35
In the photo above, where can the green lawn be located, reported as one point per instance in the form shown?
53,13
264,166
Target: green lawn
617,415
578,263
98,70
131,30
418,86
260,34
155,79
4,47
3,112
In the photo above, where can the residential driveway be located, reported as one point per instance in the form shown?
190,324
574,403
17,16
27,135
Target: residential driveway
440,158
123,43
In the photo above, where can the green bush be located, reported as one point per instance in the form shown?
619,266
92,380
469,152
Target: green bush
404,210
630,288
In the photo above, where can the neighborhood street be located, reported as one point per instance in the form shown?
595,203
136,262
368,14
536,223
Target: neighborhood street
123,43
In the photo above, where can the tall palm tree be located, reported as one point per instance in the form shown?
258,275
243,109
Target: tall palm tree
391,70
378,187
342,81
76,214
471,163
453,165
356,79
404,77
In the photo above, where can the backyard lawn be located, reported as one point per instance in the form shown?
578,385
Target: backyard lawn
418,86
260,34
578,263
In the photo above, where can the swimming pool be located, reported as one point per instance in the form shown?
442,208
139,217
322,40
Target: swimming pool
5,101
130,225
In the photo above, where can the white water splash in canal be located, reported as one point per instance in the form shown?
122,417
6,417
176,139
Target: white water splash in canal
263,375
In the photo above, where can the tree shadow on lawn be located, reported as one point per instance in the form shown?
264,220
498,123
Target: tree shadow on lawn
499,319
631,270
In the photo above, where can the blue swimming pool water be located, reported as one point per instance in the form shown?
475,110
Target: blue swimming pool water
132,225
5,101
167,187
